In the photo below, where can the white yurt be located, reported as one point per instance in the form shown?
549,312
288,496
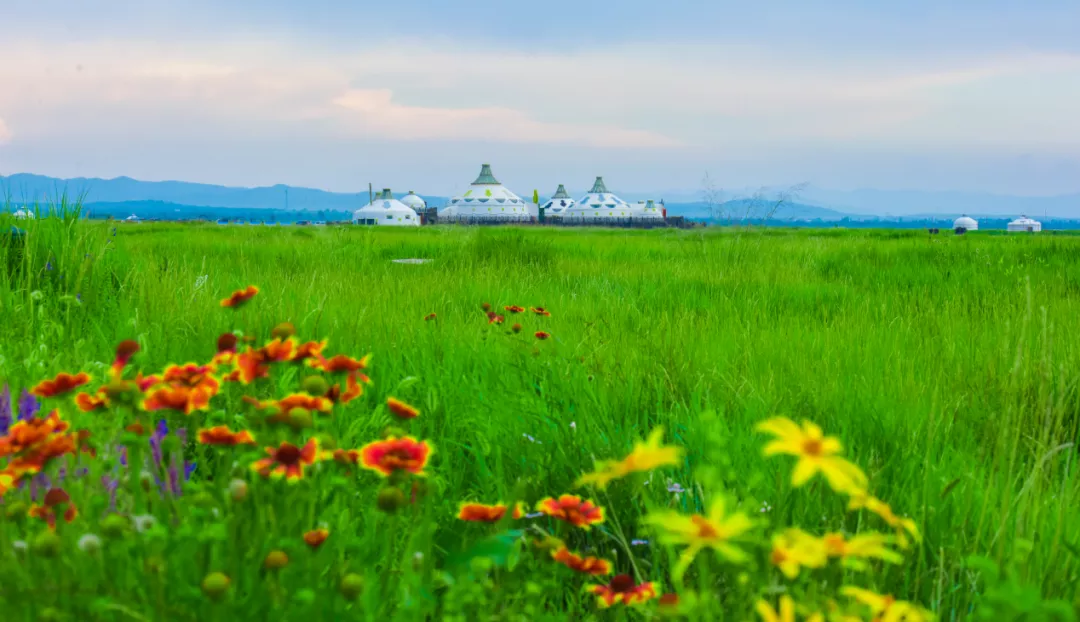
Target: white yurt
559,202
649,209
966,223
414,201
1025,224
599,203
132,219
385,210
486,198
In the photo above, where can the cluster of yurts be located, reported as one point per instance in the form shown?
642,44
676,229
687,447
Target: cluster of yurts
487,199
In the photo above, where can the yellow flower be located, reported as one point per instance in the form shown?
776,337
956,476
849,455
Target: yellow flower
816,453
715,531
646,456
794,548
865,501
862,546
786,613
885,608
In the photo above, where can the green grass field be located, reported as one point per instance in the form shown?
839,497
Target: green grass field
947,366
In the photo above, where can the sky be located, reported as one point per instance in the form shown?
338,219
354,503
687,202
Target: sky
976,96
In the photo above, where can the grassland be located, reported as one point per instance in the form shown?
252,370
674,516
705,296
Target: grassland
947,365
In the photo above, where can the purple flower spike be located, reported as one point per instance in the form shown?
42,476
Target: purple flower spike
5,410
189,468
28,406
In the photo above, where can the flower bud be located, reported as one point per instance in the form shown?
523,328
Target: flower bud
283,331
115,526
46,544
215,585
90,544
516,328
315,385
17,511
486,307
300,418
390,499
276,560
155,564
351,586
238,490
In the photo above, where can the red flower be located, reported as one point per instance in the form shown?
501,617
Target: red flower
396,454
89,403
27,434
572,509
341,363
287,460
541,311
316,537
303,400
346,456
495,319
486,307
541,335
63,383
400,409
240,297
622,589
309,350
514,309
124,351
193,376
221,435
585,565
145,382
480,513
429,317
179,398
55,498
516,328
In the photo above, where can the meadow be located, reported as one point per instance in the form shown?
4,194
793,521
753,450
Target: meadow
947,366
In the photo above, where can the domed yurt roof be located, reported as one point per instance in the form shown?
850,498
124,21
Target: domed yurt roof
486,197
1025,224
966,222
386,210
559,201
414,201
602,203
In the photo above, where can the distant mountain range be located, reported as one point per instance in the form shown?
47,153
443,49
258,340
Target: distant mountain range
810,203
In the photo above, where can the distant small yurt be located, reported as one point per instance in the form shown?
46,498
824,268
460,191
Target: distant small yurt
1025,225
414,201
559,201
384,211
965,224
133,219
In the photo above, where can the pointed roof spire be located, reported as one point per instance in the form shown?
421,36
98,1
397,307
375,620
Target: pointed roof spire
599,186
386,194
486,177
561,193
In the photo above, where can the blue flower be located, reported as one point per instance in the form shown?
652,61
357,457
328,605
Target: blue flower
28,406
5,410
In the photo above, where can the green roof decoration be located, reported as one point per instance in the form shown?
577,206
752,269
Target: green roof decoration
486,177
561,192
599,186
386,194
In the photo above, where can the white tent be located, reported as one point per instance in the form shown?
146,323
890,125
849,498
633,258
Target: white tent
559,202
600,204
385,210
133,219
1025,224
413,201
966,223
485,199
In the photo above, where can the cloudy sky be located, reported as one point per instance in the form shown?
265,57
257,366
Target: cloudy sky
965,95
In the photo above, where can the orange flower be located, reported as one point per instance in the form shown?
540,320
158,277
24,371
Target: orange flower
47,511
493,318
480,513
303,400
572,509
124,351
585,565
240,297
396,454
541,335
89,403
514,309
622,589
250,365
221,435
346,456
278,350
400,409
26,434
193,376
316,537
340,363
287,460
541,311
145,382
429,317
136,428
63,383
309,350
179,398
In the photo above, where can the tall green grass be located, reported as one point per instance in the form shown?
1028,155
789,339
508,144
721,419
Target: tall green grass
947,364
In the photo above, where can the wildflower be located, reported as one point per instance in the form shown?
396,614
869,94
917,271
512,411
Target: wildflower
646,456
89,543
179,398
287,460
675,488
863,500
20,546
541,335
815,451
622,589
276,560
55,500
226,349
429,317
393,454
516,328
572,509
303,400
346,456
494,318
585,565
28,406
862,546
717,531
486,307
192,376
531,439
639,543
124,351
222,435
215,584
885,607
238,489
480,513
240,297
793,549
514,309
353,390
308,350
30,433
400,409
341,363
61,384
316,537
786,612
89,403
541,311
6,412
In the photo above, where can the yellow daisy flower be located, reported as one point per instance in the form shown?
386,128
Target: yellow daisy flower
717,530
817,453
646,456
794,548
